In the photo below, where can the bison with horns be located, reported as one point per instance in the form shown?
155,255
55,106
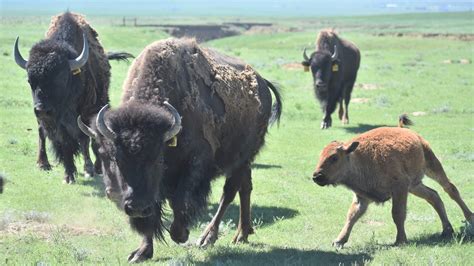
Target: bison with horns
69,75
188,114
334,67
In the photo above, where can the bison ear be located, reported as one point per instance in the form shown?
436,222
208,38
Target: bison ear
352,147
305,63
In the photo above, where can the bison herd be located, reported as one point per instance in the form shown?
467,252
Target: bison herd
189,114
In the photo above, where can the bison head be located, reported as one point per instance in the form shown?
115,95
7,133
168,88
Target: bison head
132,141
322,64
51,72
333,162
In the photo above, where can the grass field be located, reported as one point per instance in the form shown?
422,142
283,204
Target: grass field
44,222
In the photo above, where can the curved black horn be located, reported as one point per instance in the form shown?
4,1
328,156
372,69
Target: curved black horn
81,60
102,127
174,130
334,55
305,56
85,129
18,58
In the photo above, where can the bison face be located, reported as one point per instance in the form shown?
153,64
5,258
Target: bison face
51,92
51,69
322,67
132,142
333,161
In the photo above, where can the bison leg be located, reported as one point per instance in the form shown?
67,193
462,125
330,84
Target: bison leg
435,171
144,251
231,186
433,198
347,98
399,209
356,210
70,168
88,166
341,110
42,161
245,221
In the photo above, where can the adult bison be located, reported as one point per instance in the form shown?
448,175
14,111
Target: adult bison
69,75
334,67
384,163
188,114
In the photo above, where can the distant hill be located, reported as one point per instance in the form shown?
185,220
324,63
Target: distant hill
262,8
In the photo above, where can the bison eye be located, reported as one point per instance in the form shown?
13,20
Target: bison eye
333,159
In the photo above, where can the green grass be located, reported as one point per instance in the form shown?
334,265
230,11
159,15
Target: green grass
43,221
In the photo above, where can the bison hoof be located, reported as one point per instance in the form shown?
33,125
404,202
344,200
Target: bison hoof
325,125
338,244
447,232
141,254
45,166
69,179
89,170
242,235
179,234
208,238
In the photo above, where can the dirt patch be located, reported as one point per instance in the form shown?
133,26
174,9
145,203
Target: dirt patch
292,66
271,30
202,33
359,100
47,230
450,36
419,113
374,223
367,86
463,61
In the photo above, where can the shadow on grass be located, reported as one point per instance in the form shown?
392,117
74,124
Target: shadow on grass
361,128
280,256
95,182
438,240
262,216
264,166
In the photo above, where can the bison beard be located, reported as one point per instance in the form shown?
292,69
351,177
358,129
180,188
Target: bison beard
225,107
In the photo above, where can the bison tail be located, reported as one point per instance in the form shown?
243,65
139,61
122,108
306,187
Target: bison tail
403,121
277,106
119,56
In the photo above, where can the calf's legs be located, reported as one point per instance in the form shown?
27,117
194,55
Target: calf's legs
356,210
399,209
433,198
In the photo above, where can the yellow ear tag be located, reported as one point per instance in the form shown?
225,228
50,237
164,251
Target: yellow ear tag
173,142
335,68
306,68
76,71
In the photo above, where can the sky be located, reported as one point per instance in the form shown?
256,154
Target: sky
263,8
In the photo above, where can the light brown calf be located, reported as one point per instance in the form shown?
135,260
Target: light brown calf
384,163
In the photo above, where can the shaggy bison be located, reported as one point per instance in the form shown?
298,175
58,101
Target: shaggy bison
69,75
386,163
334,67
188,114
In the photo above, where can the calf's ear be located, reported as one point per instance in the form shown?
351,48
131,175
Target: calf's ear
352,147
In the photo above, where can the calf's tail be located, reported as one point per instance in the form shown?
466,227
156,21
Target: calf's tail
403,121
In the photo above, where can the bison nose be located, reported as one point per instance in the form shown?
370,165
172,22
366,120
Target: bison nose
320,84
41,110
317,176
137,210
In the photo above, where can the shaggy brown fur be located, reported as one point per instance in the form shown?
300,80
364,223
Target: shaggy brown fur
96,78
225,106
386,163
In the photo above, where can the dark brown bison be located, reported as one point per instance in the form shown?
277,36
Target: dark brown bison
384,163
1,183
334,67
154,151
69,75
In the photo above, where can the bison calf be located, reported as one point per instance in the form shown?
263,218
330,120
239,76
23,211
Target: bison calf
384,163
